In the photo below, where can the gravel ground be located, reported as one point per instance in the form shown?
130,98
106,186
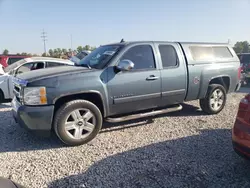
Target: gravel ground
184,149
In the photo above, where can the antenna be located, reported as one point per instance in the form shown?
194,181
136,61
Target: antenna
44,38
122,41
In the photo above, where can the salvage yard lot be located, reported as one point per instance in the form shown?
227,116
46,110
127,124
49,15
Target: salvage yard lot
182,149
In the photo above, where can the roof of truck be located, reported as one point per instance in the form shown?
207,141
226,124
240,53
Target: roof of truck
134,42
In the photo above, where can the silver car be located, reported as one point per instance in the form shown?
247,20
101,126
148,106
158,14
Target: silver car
25,65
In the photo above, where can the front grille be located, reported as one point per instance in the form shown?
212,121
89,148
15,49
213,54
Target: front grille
17,92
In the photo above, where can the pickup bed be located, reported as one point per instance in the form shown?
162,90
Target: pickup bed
124,81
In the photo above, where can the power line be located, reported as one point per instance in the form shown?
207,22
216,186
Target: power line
44,38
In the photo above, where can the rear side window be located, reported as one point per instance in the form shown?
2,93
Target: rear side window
169,56
54,64
210,52
12,60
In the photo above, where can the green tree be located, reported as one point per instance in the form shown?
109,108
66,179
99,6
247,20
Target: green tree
24,53
93,48
55,53
79,49
241,47
59,52
87,47
51,53
5,52
44,55
64,51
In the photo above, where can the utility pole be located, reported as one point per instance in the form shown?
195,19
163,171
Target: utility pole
44,38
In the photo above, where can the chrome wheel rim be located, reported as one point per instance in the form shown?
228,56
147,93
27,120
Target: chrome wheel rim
80,123
217,99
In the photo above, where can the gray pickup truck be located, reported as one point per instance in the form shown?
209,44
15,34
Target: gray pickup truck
124,81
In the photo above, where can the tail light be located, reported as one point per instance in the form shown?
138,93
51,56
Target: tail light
243,106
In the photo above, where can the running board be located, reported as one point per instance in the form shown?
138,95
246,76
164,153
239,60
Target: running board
142,115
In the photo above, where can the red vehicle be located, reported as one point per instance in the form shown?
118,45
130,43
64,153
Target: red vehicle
241,129
9,59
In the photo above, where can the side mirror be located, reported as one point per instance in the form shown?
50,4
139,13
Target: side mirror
125,65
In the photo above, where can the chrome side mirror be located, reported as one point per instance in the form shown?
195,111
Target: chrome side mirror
125,65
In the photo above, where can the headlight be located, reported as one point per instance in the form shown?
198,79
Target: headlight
34,96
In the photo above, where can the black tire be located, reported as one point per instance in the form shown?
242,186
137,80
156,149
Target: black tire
205,103
62,114
1,96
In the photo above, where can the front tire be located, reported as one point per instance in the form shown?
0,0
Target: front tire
215,99
77,122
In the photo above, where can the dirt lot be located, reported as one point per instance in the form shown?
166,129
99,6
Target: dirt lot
184,149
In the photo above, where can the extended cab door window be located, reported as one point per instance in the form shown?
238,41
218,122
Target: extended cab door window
142,56
169,56
173,74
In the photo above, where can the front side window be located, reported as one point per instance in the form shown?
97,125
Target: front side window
142,56
100,57
169,56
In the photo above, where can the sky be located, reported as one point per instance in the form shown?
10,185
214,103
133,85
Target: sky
96,22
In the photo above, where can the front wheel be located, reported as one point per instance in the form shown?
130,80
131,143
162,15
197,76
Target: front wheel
215,99
77,122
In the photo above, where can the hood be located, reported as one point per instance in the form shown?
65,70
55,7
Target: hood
51,72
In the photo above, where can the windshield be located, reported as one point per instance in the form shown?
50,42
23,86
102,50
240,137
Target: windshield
81,55
100,57
14,65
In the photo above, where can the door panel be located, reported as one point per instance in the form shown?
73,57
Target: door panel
173,74
131,91
139,88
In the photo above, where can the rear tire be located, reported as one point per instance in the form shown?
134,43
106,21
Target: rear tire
77,122
215,99
1,96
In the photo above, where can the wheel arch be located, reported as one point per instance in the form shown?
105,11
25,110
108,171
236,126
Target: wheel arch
93,96
223,80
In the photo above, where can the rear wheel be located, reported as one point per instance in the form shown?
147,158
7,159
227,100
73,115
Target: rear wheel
1,96
77,122
215,99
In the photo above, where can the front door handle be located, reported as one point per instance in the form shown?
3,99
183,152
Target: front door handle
152,77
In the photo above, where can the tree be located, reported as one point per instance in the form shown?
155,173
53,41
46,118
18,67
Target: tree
5,52
79,49
51,53
93,48
64,51
241,47
87,47
24,53
44,55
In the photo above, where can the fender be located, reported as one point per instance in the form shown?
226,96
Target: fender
85,92
203,90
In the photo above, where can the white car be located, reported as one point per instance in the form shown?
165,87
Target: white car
25,65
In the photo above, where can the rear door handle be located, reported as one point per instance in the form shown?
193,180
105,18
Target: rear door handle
152,77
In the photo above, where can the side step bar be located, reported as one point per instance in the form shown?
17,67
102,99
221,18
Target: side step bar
142,115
